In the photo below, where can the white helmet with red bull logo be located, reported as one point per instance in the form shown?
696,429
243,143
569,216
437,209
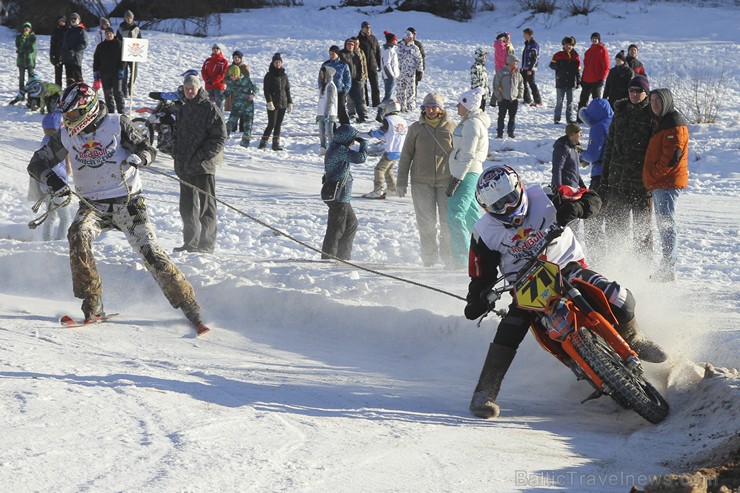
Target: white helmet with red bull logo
500,192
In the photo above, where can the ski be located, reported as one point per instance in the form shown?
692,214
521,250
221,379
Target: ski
69,322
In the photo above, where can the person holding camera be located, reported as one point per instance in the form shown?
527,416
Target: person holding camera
341,224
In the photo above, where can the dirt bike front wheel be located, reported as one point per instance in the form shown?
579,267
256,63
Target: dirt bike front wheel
145,128
629,389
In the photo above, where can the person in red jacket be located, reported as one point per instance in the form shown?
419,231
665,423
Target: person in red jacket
595,70
214,74
665,173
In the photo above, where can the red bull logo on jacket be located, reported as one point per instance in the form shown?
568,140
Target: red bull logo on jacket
93,153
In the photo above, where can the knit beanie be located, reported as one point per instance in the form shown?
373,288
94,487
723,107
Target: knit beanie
238,53
620,55
128,13
471,98
596,35
390,37
192,80
28,25
511,58
364,24
74,15
632,46
277,56
433,99
572,129
641,82
335,49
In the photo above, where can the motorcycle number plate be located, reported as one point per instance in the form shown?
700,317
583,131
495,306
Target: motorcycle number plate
537,287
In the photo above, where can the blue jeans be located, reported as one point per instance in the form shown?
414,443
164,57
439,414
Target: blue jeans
664,202
462,214
567,93
390,87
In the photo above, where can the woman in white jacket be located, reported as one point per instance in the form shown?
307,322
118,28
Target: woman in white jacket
326,113
469,150
389,68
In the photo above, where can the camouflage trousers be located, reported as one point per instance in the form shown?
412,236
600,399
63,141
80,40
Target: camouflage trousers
131,219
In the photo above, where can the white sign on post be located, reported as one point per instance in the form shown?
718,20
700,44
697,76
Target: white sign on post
134,50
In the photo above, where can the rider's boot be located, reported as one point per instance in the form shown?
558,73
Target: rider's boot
646,349
498,360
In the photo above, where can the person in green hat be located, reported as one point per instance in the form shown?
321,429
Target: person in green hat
25,48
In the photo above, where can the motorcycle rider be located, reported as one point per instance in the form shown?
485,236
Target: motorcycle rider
512,229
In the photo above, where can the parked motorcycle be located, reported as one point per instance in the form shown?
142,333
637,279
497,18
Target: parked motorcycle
159,122
575,324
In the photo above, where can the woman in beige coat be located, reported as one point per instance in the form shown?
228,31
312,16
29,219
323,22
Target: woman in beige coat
425,156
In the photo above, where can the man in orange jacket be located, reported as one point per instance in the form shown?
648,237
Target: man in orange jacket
665,173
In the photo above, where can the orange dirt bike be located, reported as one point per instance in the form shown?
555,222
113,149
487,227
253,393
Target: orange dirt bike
574,323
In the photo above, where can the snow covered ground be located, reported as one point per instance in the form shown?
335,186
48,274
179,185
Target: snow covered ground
323,377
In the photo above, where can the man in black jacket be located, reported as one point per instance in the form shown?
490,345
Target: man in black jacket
55,49
73,45
108,70
198,148
369,45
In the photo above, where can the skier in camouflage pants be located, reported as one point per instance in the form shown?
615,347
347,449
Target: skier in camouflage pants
242,89
106,151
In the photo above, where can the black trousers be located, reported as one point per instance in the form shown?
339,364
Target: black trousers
341,227
112,92
274,123
589,90
198,213
74,73
504,106
529,82
58,69
342,108
372,77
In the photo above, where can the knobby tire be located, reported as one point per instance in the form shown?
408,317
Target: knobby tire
627,388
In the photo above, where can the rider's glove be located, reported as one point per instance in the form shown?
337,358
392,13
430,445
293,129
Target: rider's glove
134,160
57,185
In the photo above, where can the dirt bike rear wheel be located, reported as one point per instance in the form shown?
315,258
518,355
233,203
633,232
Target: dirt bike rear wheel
143,126
627,388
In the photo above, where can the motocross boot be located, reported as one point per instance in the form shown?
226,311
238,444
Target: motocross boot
646,349
92,308
498,360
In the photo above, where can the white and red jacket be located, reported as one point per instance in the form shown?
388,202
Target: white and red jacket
214,72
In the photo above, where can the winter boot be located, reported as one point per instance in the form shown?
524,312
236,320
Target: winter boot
375,194
92,308
263,142
276,144
498,360
646,349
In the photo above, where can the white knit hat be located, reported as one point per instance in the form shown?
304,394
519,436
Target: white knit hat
471,99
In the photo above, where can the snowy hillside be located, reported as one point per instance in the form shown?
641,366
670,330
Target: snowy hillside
325,377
